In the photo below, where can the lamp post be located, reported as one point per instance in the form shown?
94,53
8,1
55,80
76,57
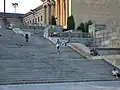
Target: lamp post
15,5
33,12
4,14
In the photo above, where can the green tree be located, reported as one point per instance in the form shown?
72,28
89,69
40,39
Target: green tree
53,21
78,27
81,27
70,23
86,27
90,22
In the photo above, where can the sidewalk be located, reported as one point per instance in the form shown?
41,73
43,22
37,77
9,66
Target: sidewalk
85,51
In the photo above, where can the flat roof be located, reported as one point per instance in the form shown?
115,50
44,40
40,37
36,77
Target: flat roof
11,15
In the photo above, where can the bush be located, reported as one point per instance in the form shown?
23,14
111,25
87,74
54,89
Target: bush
81,27
53,21
86,28
70,23
90,22
78,28
87,25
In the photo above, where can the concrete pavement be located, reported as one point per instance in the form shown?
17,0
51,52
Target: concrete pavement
109,85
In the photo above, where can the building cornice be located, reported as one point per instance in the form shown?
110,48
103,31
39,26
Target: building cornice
48,2
36,9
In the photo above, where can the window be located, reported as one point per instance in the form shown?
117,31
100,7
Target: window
38,19
41,18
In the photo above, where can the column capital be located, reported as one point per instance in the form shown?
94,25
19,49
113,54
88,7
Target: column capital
45,5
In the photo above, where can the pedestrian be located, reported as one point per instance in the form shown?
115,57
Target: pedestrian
115,73
58,46
26,37
68,41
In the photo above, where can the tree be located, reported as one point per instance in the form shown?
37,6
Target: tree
53,21
70,23
90,22
81,27
86,27
87,24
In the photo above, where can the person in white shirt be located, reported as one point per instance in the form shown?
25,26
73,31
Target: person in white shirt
115,73
58,46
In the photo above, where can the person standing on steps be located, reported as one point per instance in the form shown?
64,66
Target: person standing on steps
26,37
58,46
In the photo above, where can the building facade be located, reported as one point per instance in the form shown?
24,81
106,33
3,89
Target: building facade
42,14
59,8
35,17
99,11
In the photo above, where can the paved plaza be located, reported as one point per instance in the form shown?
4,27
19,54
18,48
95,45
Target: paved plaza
37,62
109,85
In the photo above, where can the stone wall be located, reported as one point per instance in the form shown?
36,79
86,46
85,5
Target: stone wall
100,11
108,38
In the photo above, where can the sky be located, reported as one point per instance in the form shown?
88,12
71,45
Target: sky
24,6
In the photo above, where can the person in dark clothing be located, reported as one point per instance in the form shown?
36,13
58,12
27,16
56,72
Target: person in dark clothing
26,37
94,52
68,41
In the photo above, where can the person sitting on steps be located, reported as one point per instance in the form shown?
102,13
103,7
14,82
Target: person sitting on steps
94,52
115,73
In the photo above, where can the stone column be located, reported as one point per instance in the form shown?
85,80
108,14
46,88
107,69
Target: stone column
45,14
53,9
64,8
67,10
49,16
61,13
58,18
58,8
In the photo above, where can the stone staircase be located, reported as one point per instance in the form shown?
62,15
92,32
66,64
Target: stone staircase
37,62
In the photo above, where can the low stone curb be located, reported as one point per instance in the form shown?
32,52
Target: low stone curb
78,50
